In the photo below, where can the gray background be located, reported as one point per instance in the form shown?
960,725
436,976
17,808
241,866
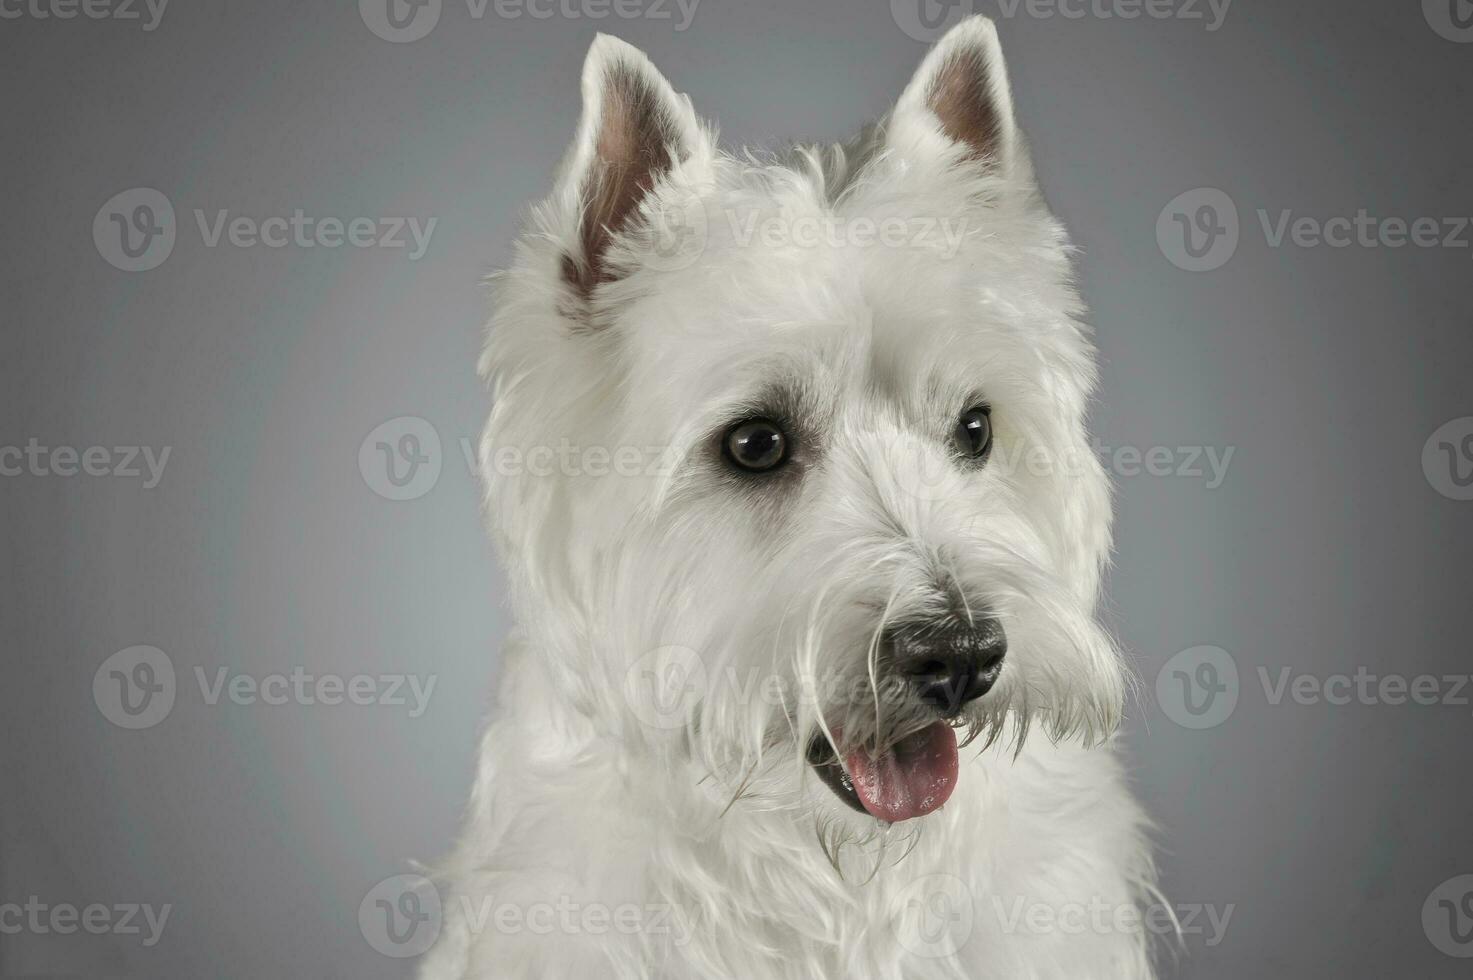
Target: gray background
1325,549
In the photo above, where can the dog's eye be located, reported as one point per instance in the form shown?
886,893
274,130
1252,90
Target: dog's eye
756,445
974,432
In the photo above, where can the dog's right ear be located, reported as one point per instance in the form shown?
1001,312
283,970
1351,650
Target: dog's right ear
635,131
960,96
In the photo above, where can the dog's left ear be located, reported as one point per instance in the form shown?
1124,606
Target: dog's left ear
635,131
960,97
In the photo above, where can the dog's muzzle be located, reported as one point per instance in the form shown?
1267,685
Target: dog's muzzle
950,663
946,665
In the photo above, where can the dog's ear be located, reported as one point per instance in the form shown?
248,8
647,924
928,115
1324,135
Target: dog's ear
635,130
960,95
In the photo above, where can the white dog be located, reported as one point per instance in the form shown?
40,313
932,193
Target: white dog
788,461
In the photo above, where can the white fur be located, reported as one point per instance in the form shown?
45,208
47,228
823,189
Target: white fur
582,802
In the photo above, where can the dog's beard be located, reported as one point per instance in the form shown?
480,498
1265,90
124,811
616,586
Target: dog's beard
846,740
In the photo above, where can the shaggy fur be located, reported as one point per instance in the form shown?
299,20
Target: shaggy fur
686,631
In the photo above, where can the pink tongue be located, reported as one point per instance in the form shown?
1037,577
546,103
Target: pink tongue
910,779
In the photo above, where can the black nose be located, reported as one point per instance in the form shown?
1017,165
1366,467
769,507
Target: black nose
950,663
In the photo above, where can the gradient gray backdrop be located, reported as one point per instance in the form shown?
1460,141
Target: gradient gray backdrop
1325,549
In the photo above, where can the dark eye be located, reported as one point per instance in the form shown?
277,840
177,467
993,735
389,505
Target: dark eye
974,432
756,445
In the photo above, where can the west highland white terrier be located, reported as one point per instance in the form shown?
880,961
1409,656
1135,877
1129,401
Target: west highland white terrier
789,466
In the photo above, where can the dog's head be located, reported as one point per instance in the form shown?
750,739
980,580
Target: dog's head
788,456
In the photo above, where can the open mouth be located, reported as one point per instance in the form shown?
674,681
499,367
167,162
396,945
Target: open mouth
909,778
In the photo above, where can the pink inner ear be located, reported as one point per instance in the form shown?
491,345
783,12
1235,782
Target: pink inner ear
960,97
633,149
